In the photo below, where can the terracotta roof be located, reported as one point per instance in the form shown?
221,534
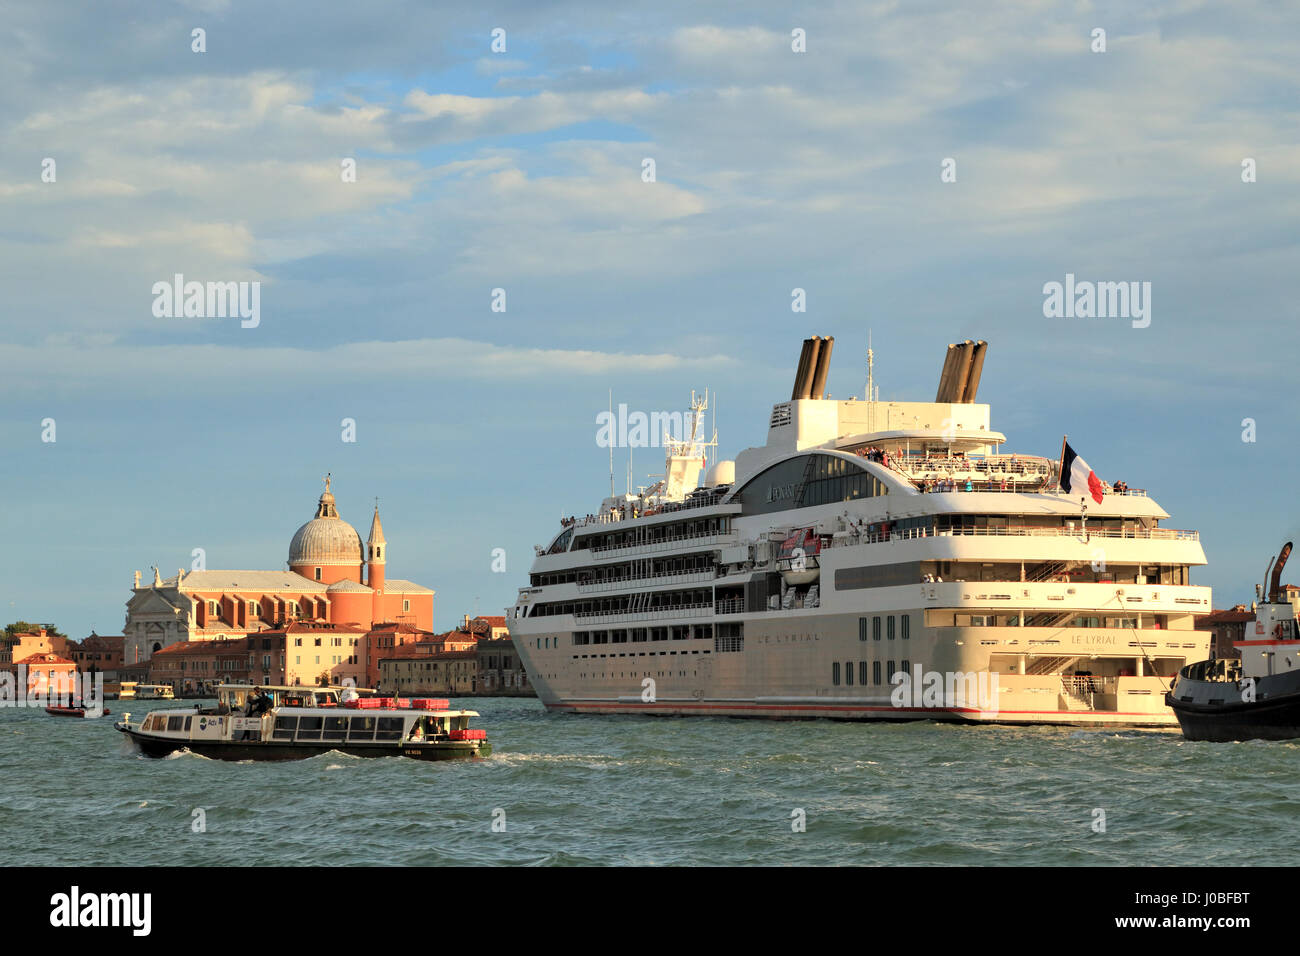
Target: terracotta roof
1230,616
243,581
409,651
400,586
45,659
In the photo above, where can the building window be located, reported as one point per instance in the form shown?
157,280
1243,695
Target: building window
907,626
862,628
835,673
889,672
890,627
848,673
875,628
254,610
406,605
318,574
862,673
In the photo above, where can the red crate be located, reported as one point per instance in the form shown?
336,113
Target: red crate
468,735
430,703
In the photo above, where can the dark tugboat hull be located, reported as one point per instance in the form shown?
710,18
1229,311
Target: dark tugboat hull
152,746
1275,718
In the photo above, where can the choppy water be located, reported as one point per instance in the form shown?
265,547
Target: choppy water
628,790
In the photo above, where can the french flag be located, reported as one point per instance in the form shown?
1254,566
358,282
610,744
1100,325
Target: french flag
1077,478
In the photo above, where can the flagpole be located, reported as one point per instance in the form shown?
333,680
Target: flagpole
1060,465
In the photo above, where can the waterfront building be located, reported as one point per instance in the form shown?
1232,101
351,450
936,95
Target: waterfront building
46,673
98,653
332,578
1227,627
500,671
413,670
16,647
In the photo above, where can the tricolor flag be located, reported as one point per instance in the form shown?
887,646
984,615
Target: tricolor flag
1076,477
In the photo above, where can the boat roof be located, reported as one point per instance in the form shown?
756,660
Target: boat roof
373,712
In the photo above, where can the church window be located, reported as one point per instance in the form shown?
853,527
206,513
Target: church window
406,605
318,574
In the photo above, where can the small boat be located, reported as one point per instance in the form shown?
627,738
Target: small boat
71,711
1256,698
292,723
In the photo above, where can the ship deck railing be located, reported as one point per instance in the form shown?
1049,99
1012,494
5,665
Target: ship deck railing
678,577
650,614
908,534
664,544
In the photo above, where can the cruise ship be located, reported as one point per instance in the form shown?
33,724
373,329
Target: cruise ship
871,561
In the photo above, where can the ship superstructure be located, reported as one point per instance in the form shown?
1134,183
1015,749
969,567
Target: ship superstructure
872,560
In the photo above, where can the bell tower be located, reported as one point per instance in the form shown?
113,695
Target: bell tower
376,557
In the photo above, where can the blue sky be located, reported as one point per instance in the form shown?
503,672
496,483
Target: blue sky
521,170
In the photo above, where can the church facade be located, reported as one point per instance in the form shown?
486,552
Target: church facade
332,578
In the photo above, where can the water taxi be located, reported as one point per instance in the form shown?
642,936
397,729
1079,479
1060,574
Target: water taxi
291,723
133,690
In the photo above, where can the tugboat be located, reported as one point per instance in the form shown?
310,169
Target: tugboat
1257,698
292,723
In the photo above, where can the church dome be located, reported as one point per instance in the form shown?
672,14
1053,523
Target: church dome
326,538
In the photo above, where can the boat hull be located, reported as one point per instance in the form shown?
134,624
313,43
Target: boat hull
69,711
152,745
1215,711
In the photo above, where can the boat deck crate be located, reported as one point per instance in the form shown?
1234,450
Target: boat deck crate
430,703
468,734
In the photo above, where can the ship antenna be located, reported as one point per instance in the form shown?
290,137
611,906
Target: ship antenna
871,380
611,444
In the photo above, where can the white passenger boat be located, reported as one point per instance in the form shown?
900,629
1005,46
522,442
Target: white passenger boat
290,723
873,560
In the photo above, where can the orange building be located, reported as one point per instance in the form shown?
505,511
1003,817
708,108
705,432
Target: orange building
27,643
333,578
47,673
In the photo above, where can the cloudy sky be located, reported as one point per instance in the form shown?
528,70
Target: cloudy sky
522,170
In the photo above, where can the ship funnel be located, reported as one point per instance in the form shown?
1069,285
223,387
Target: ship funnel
823,367
804,369
1275,582
962,367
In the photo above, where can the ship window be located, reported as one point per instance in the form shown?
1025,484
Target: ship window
848,673
875,628
309,728
284,728
390,728
889,672
862,673
835,673
335,728
875,672
361,728
889,626
175,723
907,626
187,723
862,630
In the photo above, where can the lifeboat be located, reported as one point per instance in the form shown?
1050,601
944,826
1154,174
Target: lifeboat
799,557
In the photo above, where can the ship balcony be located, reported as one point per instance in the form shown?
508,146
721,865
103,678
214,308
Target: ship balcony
1054,650
677,542
628,584
1051,597
652,614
